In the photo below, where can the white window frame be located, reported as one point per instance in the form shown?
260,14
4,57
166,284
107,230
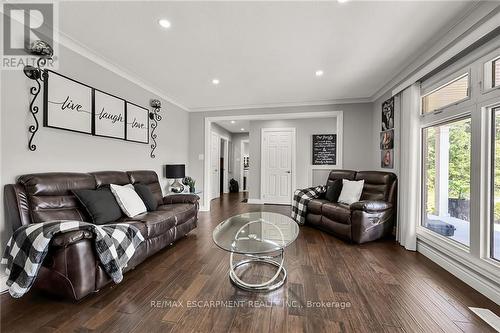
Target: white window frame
458,76
484,90
478,105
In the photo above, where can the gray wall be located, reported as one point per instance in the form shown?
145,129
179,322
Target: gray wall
60,150
358,131
304,129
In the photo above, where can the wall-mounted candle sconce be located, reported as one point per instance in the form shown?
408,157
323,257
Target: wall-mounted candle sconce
155,117
37,74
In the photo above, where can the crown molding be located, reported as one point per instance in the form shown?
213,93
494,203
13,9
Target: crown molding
85,51
282,105
477,14
82,49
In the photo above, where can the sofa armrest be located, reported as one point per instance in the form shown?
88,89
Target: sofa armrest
180,198
371,205
67,238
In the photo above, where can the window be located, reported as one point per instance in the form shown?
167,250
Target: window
495,216
495,72
446,171
491,73
450,93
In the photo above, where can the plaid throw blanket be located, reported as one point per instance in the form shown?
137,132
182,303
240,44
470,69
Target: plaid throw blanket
115,244
300,200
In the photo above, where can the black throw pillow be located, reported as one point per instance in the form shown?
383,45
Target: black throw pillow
147,196
333,190
100,204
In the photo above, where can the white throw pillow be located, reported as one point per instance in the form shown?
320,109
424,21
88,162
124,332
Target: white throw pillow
128,199
351,191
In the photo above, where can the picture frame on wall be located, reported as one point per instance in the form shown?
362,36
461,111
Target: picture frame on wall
387,159
324,149
387,139
388,114
137,123
67,104
108,115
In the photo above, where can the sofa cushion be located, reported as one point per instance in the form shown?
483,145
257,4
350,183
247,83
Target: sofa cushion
110,177
351,191
337,212
100,205
165,218
128,199
340,174
149,178
50,198
183,211
139,225
314,206
147,196
333,190
156,223
378,185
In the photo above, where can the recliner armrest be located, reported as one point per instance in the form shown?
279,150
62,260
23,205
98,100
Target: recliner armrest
66,238
371,205
180,198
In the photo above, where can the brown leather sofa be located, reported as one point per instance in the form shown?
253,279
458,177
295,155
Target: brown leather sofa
369,219
71,268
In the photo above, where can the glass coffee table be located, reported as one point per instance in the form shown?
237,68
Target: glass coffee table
261,237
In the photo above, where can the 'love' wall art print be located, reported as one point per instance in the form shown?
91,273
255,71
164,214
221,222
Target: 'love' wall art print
74,106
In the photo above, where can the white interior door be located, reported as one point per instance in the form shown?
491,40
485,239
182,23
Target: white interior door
278,155
214,166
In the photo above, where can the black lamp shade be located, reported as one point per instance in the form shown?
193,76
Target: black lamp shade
174,171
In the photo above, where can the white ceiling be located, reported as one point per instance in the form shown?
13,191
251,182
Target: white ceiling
263,53
236,127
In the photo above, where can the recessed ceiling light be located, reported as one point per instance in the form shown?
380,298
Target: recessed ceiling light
232,121
342,1
164,23
242,129
215,81
319,73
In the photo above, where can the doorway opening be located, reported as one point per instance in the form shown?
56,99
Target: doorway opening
218,165
244,164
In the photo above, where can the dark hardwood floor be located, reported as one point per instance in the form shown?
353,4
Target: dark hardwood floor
379,287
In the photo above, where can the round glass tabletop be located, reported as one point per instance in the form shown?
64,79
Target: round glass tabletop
255,233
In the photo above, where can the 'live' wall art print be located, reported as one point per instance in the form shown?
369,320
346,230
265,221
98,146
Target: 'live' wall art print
68,104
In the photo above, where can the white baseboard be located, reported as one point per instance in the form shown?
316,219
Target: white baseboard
488,317
204,209
470,277
255,201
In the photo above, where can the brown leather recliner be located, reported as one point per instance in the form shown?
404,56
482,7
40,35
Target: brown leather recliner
72,268
369,219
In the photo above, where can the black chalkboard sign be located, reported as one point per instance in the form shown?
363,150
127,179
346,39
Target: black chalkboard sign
324,149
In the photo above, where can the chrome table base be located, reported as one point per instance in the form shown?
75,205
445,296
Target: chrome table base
274,283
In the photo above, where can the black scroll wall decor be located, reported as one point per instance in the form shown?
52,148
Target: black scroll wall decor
37,74
155,117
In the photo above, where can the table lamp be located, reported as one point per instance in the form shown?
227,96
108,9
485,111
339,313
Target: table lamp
175,172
